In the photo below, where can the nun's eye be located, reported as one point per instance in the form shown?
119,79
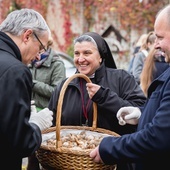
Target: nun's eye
76,53
87,52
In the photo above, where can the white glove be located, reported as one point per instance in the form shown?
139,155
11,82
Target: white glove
129,115
43,119
33,107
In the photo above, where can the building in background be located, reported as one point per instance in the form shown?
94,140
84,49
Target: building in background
70,18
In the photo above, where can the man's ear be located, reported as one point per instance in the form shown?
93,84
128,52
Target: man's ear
27,35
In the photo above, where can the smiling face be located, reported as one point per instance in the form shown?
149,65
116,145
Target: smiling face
162,31
86,57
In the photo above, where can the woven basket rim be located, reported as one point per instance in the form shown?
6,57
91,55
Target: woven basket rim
72,150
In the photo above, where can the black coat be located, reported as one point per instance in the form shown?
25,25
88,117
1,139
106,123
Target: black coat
118,89
18,138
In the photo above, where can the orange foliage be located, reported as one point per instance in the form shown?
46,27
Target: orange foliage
4,9
10,5
129,13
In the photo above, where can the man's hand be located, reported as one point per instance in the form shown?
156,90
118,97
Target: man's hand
129,115
94,154
43,119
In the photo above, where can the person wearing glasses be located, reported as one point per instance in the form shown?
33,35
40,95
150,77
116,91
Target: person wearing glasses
47,72
24,34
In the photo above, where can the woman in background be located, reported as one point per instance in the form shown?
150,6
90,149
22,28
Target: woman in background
46,73
154,66
137,47
141,56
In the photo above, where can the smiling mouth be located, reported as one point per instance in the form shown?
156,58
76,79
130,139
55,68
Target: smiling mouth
81,65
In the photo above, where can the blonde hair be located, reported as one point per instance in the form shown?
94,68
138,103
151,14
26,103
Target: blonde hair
149,39
141,40
146,76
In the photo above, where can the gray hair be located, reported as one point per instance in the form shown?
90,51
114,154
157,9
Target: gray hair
87,38
19,21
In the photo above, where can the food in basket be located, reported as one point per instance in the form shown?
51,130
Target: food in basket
79,140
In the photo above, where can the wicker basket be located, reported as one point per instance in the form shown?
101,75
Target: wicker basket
61,158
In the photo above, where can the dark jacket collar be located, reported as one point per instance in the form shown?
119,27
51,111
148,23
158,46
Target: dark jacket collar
100,72
160,80
7,44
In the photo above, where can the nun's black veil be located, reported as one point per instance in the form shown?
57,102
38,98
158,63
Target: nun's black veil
104,49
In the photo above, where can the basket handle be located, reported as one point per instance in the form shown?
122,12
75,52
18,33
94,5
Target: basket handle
59,107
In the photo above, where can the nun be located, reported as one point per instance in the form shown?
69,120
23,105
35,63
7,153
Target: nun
111,88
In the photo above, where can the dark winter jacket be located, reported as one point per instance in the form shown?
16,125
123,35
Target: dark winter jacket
118,89
150,145
18,138
160,66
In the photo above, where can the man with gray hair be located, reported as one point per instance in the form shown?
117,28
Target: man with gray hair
23,37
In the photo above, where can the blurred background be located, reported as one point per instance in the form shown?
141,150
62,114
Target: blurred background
120,22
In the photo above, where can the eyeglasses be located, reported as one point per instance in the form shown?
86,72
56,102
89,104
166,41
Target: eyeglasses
42,49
